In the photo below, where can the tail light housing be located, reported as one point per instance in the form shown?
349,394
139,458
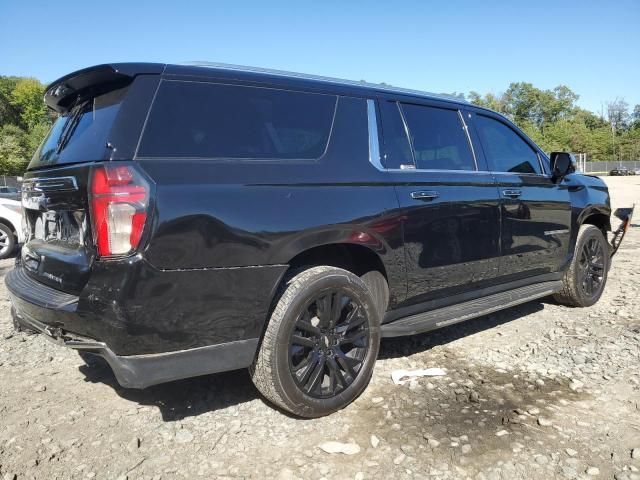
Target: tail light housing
119,200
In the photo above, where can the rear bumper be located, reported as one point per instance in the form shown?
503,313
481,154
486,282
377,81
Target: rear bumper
189,328
136,309
141,371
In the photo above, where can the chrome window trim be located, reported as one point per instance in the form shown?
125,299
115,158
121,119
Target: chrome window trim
466,132
545,175
409,139
411,170
374,141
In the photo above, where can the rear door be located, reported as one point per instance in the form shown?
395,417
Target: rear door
449,203
535,211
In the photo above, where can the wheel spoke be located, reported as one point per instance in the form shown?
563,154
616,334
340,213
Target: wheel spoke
354,319
348,363
336,308
307,327
304,341
353,338
336,374
324,310
309,369
316,377
304,362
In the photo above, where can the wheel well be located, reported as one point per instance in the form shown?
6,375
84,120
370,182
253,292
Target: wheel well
599,220
355,258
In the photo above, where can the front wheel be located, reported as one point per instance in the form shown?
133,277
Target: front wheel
584,281
321,343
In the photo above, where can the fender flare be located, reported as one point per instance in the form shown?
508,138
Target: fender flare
596,209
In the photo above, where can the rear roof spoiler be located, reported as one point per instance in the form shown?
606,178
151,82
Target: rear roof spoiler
62,93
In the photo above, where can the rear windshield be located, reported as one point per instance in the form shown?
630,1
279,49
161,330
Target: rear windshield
205,120
81,134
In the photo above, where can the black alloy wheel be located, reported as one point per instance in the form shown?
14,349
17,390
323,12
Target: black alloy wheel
321,342
592,265
329,344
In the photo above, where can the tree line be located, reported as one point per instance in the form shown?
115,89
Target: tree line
553,120
550,117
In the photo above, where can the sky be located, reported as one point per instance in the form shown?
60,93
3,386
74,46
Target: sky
441,46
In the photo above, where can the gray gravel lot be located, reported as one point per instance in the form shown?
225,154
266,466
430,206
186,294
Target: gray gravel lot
537,391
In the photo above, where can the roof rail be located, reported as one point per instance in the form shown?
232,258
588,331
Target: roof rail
341,81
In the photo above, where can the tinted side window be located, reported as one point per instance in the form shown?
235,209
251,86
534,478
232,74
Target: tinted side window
505,150
204,120
438,138
397,150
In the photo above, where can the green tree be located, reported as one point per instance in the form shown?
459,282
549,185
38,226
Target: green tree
24,121
13,150
27,97
9,113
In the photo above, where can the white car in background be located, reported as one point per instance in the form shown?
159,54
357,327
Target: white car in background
11,233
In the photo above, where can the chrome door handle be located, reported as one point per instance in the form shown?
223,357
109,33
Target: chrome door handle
425,195
512,193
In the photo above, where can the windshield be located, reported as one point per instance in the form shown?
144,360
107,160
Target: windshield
81,134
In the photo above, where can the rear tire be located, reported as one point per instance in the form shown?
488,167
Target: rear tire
321,343
7,241
584,281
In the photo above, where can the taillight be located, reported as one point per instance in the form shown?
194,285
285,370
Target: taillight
119,198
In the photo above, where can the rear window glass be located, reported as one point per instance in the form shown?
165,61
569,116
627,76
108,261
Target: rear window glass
204,120
81,134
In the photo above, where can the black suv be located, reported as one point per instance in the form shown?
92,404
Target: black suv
184,220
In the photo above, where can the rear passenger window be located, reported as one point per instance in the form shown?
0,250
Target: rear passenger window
397,150
204,120
505,150
438,139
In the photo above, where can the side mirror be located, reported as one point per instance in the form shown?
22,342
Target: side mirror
562,164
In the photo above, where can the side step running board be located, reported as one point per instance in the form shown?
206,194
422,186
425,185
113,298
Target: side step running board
441,317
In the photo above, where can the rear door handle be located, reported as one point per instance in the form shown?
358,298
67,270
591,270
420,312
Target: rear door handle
512,193
425,195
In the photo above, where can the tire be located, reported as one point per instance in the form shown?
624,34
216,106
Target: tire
584,281
379,289
332,365
7,241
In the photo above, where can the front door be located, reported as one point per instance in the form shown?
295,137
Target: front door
535,211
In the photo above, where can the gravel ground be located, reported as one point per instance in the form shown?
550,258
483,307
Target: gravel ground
536,391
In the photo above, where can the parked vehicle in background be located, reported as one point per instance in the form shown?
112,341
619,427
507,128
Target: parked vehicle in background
620,171
185,220
11,233
9,192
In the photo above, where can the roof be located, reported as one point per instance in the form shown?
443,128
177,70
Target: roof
60,93
202,67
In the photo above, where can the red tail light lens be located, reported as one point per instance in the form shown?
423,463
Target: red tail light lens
119,198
